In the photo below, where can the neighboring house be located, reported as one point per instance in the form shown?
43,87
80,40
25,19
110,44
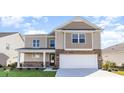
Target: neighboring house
9,41
114,54
75,44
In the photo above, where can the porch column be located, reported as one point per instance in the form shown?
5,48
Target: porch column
44,59
18,63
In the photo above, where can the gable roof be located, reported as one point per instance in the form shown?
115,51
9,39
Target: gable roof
2,34
78,23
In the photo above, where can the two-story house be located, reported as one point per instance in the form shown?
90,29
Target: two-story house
9,41
75,44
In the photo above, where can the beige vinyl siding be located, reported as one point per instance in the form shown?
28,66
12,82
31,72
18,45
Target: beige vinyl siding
59,40
28,57
86,45
29,39
96,40
95,43
77,25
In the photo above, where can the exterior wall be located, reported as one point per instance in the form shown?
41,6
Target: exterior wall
96,40
90,41
117,58
15,42
28,57
95,51
77,26
35,62
59,40
86,45
3,59
30,38
48,41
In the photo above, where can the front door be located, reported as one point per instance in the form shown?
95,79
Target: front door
52,59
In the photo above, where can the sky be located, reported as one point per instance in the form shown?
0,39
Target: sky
113,26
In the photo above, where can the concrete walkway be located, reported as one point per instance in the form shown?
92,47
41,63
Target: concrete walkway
84,72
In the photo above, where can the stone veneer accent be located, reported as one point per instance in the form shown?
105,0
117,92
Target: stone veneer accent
35,64
61,51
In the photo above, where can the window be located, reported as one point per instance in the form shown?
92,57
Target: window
36,43
52,43
81,38
36,55
75,38
78,38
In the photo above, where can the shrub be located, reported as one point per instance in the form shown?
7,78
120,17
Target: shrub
37,68
112,65
28,68
105,66
122,65
108,65
1,66
13,65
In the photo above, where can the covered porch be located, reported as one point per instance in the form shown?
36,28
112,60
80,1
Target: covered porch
36,57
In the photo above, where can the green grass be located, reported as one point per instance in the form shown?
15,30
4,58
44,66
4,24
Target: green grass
119,72
27,73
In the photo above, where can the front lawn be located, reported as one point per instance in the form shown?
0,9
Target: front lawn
119,72
27,73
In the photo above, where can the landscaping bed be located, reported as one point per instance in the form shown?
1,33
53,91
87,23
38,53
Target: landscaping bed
119,72
26,73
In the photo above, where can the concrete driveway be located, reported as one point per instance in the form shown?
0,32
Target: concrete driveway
84,72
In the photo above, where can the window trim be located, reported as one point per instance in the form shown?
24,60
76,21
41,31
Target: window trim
50,42
35,43
78,38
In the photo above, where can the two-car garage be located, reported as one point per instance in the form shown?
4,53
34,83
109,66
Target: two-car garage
78,61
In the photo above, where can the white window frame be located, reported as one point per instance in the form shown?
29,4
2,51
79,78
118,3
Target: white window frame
50,43
78,38
73,38
35,43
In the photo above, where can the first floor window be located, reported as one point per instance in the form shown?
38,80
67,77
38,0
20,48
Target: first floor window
36,43
35,55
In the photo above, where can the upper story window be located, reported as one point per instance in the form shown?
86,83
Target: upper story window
36,43
81,38
52,43
75,38
78,38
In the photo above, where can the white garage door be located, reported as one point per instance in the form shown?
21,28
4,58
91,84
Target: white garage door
78,61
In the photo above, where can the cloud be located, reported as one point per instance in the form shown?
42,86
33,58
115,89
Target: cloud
37,17
29,32
27,25
113,32
40,18
107,21
119,27
110,38
45,19
7,21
